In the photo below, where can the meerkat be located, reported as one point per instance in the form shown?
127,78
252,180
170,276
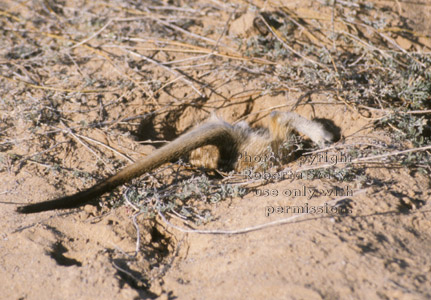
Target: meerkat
231,141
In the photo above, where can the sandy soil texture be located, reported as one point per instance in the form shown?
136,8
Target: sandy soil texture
87,87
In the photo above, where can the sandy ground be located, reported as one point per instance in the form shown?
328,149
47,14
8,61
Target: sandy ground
252,248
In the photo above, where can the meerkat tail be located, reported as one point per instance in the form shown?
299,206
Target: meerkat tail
217,133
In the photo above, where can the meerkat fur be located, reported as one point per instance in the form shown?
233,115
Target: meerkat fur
230,141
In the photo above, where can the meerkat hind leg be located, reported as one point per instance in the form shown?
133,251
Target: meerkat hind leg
310,128
205,157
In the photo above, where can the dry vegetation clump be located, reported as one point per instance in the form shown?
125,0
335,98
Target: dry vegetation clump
88,87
